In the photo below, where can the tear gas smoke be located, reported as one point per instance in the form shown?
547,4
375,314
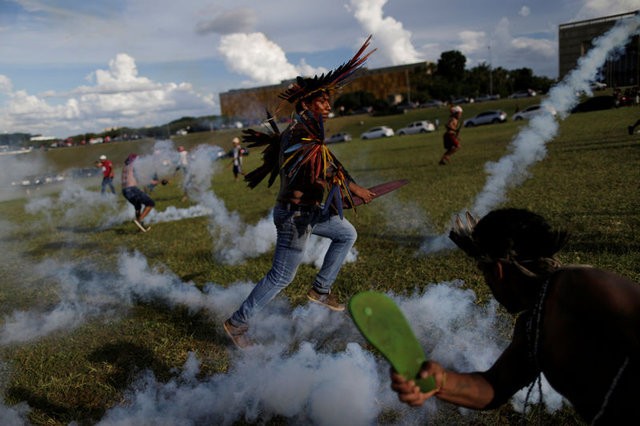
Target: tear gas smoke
311,357
529,145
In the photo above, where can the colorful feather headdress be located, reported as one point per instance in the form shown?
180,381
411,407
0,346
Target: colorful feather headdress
311,152
330,82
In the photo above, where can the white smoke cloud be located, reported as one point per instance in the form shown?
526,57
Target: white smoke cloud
307,357
259,58
529,145
392,40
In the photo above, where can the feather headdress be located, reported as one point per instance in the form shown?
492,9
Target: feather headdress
310,152
329,82
271,142
517,236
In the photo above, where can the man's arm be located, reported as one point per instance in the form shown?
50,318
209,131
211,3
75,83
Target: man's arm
477,390
361,192
470,390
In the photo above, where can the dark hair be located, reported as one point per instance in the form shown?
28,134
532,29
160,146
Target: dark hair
517,234
308,99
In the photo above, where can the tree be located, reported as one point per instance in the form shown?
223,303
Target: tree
354,101
522,78
451,66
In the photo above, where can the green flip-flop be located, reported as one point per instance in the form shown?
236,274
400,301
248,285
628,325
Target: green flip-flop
383,324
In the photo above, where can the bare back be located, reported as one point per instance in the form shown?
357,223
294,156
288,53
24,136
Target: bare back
589,335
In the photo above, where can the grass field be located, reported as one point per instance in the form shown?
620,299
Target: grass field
138,309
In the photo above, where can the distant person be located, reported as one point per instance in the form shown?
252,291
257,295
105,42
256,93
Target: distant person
183,163
577,325
134,194
107,174
237,158
450,138
183,160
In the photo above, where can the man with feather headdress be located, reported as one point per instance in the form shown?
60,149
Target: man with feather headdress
314,186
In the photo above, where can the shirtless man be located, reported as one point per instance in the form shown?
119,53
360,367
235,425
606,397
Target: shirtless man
578,325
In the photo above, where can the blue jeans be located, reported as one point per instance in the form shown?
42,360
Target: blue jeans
107,181
293,229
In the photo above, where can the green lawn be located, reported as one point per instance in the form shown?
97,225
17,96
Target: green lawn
587,183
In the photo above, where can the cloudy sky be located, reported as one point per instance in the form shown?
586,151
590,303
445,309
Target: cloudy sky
74,66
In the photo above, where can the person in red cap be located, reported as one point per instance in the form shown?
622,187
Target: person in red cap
107,174
134,194
450,137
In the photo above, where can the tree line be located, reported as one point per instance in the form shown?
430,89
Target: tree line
449,79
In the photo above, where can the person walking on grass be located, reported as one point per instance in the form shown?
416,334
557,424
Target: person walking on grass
237,158
307,171
134,194
107,174
450,138
577,325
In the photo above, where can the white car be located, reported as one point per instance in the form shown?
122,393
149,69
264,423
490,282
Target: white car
533,110
486,117
423,126
377,132
338,137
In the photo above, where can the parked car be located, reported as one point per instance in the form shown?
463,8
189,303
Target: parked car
433,103
523,94
533,110
596,103
423,126
338,137
486,117
484,98
377,132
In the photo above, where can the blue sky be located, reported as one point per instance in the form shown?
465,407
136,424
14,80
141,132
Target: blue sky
74,66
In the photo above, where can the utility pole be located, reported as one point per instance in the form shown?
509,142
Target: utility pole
490,73
406,73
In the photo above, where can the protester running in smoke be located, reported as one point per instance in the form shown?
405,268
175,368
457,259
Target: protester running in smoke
134,194
578,325
307,170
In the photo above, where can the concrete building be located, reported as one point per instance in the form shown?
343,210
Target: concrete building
576,38
390,83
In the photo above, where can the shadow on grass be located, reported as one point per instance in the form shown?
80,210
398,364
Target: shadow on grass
79,229
192,276
47,249
127,360
58,412
197,325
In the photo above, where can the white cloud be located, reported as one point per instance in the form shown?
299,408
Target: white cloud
119,97
524,11
472,41
5,84
598,8
510,51
240,20
391,39
259,58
